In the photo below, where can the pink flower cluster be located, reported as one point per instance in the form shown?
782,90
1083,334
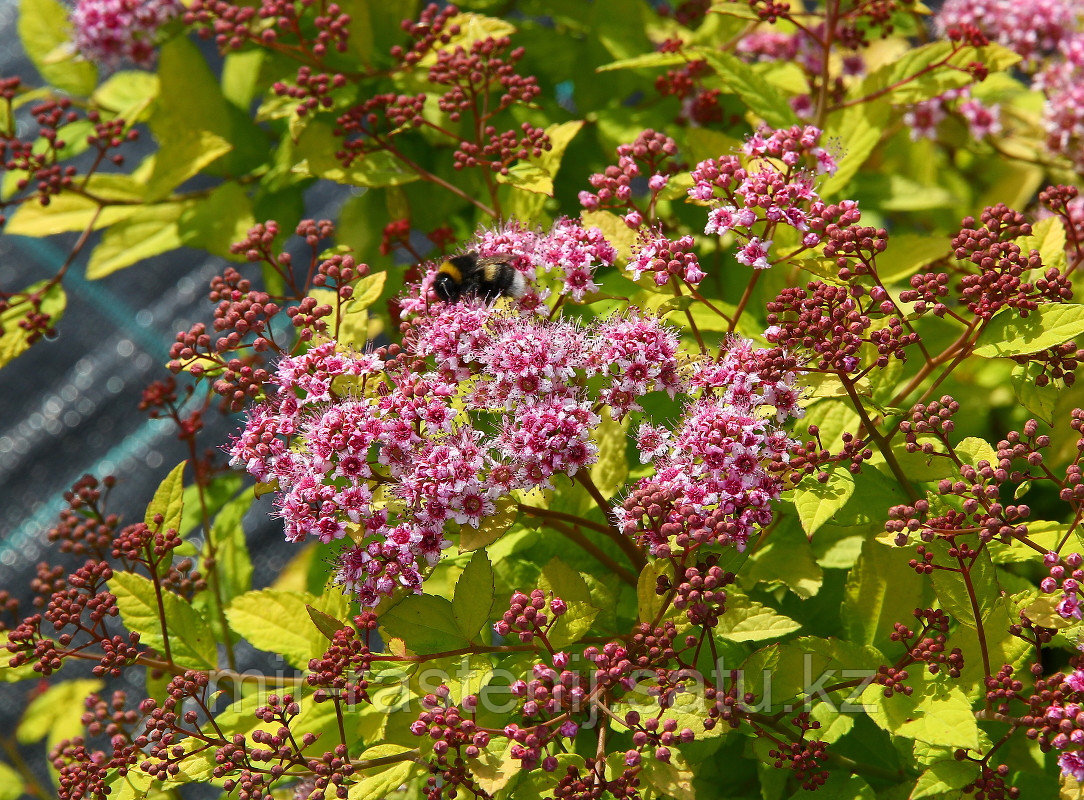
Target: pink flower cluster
561,261
666,258
388,452
712,467
1065,719
1067,576
1031,28
1063,114
651,155
112,31
750,198
982,120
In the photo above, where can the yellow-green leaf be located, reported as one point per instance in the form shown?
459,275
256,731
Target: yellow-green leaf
383,769
1010,334
56,712
617,233
611,468
817,502
425,622
648,601
537,174
66,212
183,154
276,621
168,501
16,340
46,36
492,527
759,96
473,598
568,584
972,450
11,783
149,231
128,94
1048,237
747,620
191,639
947,720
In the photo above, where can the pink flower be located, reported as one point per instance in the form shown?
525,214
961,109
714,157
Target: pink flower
652,442
754,253
111,31
982,120
1030,27
1075,681
1072,765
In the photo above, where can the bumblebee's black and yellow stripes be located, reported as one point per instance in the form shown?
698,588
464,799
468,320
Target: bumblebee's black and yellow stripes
471,275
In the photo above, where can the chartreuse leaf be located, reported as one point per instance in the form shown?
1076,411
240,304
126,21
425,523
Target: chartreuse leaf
860,128
944,719
46,36
649,602
183,154
952,590
241,75
747,620
566,583
128,94
1048,237
645,60
351,320
935,714
56,712
817,502
492,527
168,501
65,212
1010,334
325,623
786,559
617,233
315,151
426,622
462,674
881,590
191,639
278,622
671,779
233,564
1039,400
382,770
907,253
147,232
11,783
331,603
16,340
1045,533
217,221
972,450
759,96
196,105
943,777
537,174
611,468
10,674
474,594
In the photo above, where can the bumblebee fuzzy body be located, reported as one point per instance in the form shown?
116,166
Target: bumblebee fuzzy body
485,277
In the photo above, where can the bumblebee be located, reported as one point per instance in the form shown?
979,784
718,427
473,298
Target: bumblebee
485,277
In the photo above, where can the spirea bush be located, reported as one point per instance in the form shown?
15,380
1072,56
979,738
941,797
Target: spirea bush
743,461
